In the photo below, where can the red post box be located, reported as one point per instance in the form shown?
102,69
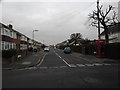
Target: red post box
100,48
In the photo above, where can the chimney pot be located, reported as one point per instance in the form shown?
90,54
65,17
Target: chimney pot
10,26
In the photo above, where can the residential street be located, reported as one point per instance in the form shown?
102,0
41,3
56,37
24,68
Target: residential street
60,44
55,69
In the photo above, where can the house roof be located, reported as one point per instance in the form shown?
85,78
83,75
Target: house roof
113,28
7,26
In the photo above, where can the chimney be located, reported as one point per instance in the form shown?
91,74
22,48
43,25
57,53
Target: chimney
10,26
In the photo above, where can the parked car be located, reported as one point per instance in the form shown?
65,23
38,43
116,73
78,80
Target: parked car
46,49
67,50
35,50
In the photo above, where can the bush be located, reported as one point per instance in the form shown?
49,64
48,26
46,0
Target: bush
112,50
8,53
90,49
87,49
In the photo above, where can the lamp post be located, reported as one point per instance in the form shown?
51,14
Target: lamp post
33,36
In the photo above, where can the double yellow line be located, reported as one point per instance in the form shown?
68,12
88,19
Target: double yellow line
41,60
37,64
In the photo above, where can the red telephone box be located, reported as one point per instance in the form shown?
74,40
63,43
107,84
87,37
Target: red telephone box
100,48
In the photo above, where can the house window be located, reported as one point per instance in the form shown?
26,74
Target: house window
25,38
23,46
14,46
6,32
11,34
2,31
11,46
6,45
22,37
1,28
14,35
3,45
30,41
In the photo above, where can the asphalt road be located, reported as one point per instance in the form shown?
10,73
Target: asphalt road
59,70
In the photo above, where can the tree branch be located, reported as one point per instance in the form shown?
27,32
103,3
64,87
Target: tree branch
109,9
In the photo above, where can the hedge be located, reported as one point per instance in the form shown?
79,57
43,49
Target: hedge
8,53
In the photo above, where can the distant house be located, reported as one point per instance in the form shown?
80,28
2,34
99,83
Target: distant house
113,32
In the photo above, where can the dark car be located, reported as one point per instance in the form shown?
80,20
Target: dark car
35,50
67,50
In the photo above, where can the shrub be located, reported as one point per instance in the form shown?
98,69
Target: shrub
112,50
8,53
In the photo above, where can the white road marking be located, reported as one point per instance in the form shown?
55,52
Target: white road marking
72,65
28,68
31,68
89,65
98,64
80,65
25,63
60,57
63,60
63,66
6,68
66,63
56,54
54,67
43,67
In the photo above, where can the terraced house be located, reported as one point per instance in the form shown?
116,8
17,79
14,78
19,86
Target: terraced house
16,43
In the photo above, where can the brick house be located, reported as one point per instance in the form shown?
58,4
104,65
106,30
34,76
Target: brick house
12,39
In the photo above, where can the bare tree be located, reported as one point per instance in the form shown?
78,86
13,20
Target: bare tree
104,19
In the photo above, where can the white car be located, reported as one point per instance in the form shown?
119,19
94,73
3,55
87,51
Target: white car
46,49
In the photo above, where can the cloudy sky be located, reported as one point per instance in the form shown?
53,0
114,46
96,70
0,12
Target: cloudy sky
55,19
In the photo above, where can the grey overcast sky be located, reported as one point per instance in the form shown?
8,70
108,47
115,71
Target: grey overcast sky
55,19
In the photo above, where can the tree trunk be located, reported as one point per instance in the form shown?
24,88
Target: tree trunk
106,35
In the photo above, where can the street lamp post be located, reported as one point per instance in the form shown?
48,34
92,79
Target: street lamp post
33,36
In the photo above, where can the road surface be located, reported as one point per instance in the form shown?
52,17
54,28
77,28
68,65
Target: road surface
59,70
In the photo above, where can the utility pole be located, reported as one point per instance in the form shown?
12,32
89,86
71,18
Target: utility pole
98,19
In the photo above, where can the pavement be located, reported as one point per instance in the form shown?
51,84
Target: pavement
91,58
29,61
36,57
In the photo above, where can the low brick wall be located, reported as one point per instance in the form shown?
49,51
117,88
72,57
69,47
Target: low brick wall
14,58
9,60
